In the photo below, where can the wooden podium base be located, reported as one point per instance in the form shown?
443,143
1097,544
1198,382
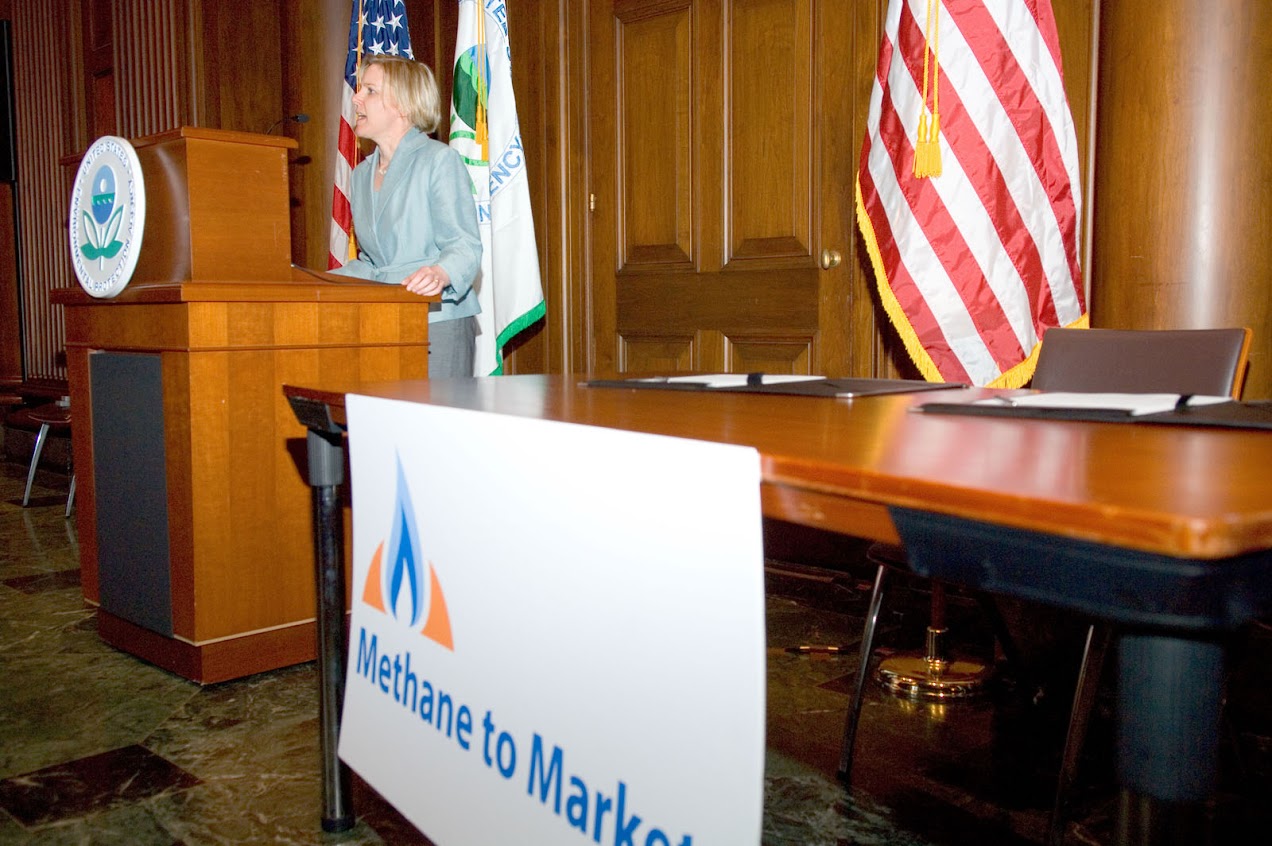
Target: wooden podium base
218,661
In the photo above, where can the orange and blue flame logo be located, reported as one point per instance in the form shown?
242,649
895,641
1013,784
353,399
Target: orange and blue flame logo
397,574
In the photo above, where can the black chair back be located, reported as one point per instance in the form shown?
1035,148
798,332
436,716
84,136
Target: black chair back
1144,361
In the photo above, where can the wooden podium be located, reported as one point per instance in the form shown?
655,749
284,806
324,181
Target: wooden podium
194,520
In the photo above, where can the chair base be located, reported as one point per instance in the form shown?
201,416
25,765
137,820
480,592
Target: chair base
934,676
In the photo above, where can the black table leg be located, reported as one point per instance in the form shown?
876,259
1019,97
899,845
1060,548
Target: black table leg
1169,710
326,475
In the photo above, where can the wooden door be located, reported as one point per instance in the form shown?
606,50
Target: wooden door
724,136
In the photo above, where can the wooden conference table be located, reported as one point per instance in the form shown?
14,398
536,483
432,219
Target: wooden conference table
1163,530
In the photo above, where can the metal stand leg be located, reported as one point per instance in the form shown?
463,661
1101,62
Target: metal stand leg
848,746
35,461
326,474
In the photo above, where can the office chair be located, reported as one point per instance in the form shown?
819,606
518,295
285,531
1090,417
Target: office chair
1189,361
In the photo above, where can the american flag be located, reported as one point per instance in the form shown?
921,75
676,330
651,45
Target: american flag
376,27
974,242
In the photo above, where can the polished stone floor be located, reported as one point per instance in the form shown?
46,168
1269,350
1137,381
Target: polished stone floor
97,747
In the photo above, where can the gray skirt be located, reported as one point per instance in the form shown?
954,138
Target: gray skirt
451,345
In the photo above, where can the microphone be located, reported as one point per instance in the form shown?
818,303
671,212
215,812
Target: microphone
298,118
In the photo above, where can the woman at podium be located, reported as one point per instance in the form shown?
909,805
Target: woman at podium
413,211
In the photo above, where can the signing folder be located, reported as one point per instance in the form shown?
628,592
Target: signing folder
1172,409
764,383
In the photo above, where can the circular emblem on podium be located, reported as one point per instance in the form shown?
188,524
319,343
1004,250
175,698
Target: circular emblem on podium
108,216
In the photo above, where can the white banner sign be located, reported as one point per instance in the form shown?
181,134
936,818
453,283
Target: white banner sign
557,631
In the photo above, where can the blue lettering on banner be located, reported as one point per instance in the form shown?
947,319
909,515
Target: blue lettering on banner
551,778
546,774
576,805
602,818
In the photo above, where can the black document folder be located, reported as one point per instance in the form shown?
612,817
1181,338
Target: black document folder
1233,415
760,384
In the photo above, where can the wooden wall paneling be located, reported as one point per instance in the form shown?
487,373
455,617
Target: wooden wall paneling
851,325
300,76
314,35
563,165
10,298
96,37
433,27
152,67
1181,186
10,301
1079,39
551,59
240,83
48,130
602,337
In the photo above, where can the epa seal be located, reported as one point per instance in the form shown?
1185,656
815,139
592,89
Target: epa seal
108,216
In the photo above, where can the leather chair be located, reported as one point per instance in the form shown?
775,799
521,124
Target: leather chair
52,417
1186,361
1146,361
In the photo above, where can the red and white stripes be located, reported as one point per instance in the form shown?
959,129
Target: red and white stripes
346,159
974,264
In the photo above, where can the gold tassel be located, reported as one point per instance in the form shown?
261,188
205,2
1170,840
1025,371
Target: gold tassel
927,150
927,146
921,148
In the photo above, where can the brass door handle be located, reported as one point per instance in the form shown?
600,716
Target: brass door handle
830,258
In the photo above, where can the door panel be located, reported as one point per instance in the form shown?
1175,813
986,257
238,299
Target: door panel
720,174
653,90
769,115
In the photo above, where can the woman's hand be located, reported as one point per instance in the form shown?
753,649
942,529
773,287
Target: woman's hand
427,281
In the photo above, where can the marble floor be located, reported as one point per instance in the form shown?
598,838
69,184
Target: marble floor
97,747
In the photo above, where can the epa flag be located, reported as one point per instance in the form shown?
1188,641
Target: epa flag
968,192
376,27
485,131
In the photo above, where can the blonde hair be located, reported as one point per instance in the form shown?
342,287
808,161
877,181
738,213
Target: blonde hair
409,85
